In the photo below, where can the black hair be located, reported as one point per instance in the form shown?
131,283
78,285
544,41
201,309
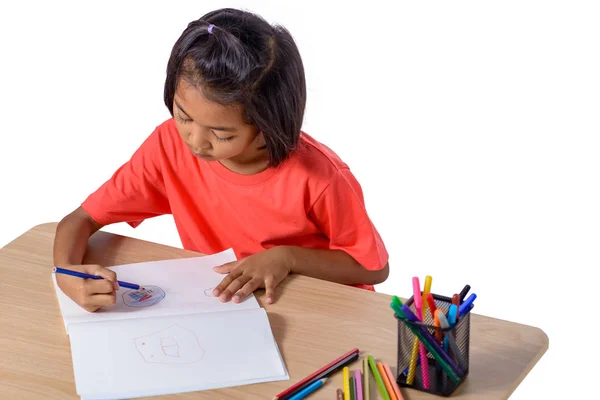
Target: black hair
237,58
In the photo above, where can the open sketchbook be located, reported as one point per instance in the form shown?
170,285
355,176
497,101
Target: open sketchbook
173,337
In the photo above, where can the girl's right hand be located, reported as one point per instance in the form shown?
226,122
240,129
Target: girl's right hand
90,294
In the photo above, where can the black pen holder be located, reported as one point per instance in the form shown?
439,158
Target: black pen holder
443,381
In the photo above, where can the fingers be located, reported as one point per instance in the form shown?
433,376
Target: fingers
226,268
105,273
100,286
92,303
270,289
247,289
226,282
233,287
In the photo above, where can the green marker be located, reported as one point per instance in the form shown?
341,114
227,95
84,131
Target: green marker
398,302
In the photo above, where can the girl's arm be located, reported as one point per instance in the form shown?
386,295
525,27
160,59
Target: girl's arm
268,268
71,239
332,265
70,245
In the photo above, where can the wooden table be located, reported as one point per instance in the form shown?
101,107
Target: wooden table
313,322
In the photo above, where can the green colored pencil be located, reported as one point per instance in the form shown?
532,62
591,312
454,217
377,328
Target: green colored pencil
378,379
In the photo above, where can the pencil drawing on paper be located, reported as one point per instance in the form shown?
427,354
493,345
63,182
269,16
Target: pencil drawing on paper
173,345
146,297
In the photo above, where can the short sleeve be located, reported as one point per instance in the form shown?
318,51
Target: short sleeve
340,213
135,192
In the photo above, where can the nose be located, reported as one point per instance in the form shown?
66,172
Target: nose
198,139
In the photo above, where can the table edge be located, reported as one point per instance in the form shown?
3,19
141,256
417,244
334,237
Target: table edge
53,224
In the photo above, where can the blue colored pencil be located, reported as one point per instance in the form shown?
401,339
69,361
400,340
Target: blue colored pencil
88,276
309,389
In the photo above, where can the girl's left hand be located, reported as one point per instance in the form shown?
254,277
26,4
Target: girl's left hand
266,269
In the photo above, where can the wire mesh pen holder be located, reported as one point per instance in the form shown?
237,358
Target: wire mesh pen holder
447,363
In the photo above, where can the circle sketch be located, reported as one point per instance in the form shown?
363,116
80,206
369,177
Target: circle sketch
147,297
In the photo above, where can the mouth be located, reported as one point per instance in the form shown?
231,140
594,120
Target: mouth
202,155
199,155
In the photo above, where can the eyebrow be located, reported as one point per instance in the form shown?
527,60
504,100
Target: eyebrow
216,128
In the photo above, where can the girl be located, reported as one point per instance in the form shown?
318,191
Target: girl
235,170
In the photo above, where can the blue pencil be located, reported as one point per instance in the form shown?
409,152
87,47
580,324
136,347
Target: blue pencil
88,276
308,390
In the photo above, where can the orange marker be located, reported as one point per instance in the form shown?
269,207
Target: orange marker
395,387
436,322
386,381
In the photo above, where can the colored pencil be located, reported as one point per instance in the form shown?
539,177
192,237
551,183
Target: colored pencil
395,387
352,388
346,377
340,394
321,373
309,389
358,384
378,379
366,380
95,277
386,381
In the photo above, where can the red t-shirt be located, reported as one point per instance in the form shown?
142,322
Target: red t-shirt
311,200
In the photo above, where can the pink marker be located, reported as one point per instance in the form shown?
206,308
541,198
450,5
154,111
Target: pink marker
417,298
419,312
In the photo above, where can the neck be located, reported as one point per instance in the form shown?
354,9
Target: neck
248,165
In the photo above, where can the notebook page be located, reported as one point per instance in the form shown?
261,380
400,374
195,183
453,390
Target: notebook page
175,354
180,286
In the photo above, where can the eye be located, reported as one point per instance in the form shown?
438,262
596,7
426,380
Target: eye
222,139
181,119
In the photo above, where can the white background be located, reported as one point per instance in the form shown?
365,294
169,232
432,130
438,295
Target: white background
473,129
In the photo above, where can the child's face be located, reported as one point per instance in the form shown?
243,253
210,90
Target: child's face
215,132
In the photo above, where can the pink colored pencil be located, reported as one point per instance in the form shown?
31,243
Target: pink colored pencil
358,382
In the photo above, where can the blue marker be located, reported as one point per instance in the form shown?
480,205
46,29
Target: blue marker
309,389
466,305
452,314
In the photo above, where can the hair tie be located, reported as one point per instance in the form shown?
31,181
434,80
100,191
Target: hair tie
210,28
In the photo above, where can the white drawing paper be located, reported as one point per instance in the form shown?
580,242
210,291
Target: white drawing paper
174,354
172,336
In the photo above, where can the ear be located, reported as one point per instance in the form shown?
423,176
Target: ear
260,142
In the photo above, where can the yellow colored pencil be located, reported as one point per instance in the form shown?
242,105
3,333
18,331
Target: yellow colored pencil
346,375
